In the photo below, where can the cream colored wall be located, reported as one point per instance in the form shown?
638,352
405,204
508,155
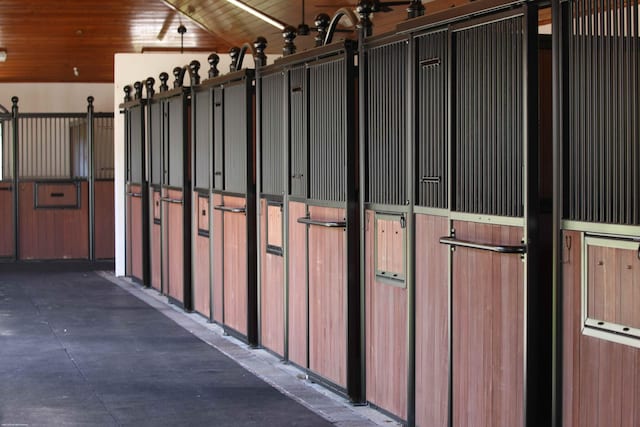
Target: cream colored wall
57,97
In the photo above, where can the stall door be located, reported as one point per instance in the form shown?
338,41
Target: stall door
490,274
6,220
134,199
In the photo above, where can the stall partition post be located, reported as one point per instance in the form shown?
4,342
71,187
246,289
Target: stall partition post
14,119
91,177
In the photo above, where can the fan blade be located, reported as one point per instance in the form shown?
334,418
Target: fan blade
166,24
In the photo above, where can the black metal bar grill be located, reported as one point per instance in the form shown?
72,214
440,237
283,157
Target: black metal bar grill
230,209
503,249
322,223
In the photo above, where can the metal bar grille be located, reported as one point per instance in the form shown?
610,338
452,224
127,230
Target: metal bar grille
433,94
134,148
176,143
272,134
327,131
387,122
488,118
202,138
7,148
155,141
218,139
298,158
603,155
103,147
235,138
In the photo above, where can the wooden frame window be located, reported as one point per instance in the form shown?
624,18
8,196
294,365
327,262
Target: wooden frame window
274,228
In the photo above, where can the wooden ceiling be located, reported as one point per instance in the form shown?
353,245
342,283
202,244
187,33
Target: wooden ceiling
46,40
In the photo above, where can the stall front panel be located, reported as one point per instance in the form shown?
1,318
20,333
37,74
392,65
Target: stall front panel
155,143
135,156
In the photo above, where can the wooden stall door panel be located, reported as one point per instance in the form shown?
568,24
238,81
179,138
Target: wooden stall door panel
136,237
432,318
386,334
487,329
571,259
235,267
201,258
6,220
327,297
297,285
272,291
218,260
174,245
156,262
104,220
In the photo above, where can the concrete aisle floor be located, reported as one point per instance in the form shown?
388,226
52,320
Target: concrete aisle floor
78,349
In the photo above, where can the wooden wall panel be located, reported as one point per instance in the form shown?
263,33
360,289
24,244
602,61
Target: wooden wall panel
154,212
136,236
601,379
6,220
52,233
297,285
235,266
104,220
217,257
201,258
173,246
57,195
272,289
386,333
327,297
432,322
488,326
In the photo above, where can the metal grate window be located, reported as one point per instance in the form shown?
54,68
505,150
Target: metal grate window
603,154
298,105
235,137
272,149
488,84
202,138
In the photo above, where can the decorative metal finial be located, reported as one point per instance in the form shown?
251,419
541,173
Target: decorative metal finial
178,74
194,67
260,58
127,93
289,34
364,10
138,87
213,61
322,24
181,30
234,53
149,84
164,78
415,9
90,100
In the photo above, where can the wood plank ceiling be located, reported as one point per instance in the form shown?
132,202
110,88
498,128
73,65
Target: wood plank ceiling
46,40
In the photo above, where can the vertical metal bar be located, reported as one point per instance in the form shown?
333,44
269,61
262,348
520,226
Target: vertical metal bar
16,181
259,190
287,148
363,98
453,84
91,179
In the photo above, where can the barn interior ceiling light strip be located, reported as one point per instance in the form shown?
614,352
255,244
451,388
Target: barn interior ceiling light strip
255,12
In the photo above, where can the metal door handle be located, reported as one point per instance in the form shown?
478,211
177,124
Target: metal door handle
503,249
322,223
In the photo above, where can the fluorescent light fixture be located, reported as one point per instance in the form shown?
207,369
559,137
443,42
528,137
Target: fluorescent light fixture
3,55
266,18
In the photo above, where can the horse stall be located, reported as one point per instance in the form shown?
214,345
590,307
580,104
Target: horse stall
137,193
233,203
456,307
598,200
309,287
60,167
170,160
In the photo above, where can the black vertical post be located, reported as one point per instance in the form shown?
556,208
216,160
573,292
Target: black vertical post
91,177
14,120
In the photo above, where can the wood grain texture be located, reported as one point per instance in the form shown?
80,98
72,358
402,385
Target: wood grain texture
201,258
173,245
104,220
156,229
385,329
136,234
52,233
488,341
432,322
234,252
390,247
217,259
6,220
327,297
274,215
297,285
52,195
271,290
601,379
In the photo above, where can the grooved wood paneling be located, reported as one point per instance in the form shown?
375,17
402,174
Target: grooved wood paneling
432,322
173,245
271,291
217,259
600,378
235,266
58,195
135,219
487,329
201,285
327,297
297,285
386,334
6,220
52,233
104,220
